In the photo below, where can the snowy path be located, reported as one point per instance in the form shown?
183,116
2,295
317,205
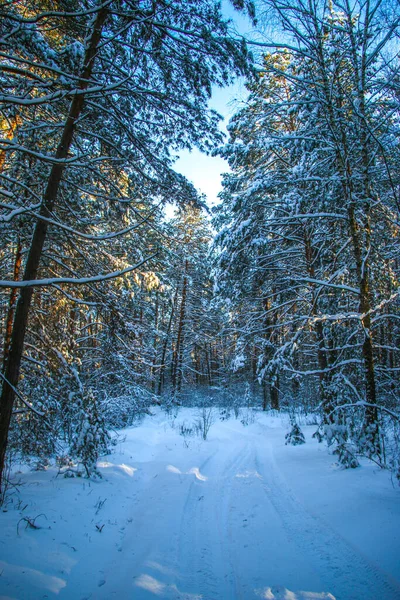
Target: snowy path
239,516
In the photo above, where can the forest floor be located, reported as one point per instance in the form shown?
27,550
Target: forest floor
238,516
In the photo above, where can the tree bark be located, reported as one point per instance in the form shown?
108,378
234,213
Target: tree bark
177,379
11,306
165,345
155,344
344,167
371,412
326,397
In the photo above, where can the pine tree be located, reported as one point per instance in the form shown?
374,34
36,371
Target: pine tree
95,142
91,438
304,224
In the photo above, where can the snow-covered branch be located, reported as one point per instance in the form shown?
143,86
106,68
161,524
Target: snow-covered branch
72,280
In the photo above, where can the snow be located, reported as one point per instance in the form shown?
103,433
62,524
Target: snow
237,516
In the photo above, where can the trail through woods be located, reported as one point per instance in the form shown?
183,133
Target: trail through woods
237,516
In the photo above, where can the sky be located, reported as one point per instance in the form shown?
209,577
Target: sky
202,170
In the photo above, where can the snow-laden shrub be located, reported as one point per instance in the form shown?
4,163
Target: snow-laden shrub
238,362
35,433
204,421
367,439
186,430
91,438
390,441
123,410
224,414
342,434
248,416
295,436
346,454
343,424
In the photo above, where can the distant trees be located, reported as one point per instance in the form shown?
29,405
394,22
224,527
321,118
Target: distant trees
189,271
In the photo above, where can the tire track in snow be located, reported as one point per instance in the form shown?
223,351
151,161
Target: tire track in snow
148,540
347,574
204,554
224,521
190,537
253,535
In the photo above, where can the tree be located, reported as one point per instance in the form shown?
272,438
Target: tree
190,327
99,117
308,211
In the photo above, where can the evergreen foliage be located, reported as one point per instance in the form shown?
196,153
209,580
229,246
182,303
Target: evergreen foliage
91,438
303,250
295,437
290,299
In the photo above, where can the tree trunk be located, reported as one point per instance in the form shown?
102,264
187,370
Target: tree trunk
371,412
363,201
165,345
264,395
39,236
208,366
274,393
11,306
326,398
177,374
155,343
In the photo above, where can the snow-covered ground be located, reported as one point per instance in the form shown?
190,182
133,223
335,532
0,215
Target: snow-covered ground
237,516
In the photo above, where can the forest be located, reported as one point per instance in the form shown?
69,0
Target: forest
124,294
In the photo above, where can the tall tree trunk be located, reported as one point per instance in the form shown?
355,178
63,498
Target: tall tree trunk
155,340
165,345
208,366
177,380
72,329
273,383
371,412
11,306
39,236
196,365
326,397
274,393
264,395
359,56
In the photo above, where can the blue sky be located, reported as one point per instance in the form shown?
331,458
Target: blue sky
202,170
